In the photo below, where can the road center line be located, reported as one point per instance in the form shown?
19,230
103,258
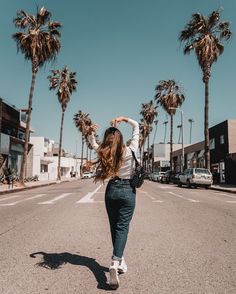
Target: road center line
180,196
88,197
16,202
56,198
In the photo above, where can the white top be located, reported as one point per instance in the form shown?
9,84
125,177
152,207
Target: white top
126,169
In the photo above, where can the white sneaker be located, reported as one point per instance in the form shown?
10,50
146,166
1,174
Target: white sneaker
113,270
122,268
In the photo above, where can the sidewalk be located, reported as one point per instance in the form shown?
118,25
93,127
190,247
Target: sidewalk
30,185
224,188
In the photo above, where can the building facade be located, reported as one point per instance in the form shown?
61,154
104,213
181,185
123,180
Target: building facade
222,153
12,139
45,160
161,156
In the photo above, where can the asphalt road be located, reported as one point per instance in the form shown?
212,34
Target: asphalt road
56,240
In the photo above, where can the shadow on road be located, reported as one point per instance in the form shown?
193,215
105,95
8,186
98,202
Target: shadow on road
56,260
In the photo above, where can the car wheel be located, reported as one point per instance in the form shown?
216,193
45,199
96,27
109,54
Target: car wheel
207,186
188,184
179,184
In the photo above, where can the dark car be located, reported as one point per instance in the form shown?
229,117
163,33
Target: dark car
170,177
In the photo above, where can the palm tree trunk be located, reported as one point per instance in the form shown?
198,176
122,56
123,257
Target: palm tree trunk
206,126
143,157
171,141
60,144
148,160
165,133
27,131
87,153
90,154
82,155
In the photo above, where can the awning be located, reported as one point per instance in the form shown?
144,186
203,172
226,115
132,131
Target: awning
190,155
201,154
45,161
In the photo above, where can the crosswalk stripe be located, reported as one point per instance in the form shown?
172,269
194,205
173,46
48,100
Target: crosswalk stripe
16,202
180,196
10,197
88,197
52,201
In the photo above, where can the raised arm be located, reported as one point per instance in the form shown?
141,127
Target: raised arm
91,138
135,136
92,141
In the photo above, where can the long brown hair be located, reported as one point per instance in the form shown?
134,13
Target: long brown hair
110,154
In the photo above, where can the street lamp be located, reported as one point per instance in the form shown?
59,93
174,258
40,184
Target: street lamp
182,129
191,121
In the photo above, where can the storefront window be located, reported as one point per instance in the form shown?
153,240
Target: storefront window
222,139
212,143
44,168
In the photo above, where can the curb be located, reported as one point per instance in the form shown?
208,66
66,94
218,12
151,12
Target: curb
223,190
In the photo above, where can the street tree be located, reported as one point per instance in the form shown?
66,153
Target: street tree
149,113
83,123
65,83
204,35
170,96
39,42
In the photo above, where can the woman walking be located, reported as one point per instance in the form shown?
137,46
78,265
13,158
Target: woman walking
115,162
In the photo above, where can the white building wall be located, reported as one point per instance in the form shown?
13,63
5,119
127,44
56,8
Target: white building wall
68,164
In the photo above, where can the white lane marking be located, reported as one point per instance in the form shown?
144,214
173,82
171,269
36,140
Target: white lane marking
55,198
166,187
223,194
10,197
180,196
151,197
88,197
16,202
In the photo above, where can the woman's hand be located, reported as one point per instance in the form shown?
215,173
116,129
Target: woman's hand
118,120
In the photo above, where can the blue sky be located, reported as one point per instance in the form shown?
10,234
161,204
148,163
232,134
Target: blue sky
120,50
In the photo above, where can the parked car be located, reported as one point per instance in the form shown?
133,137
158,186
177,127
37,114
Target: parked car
157,176
150,176
175,178
87,175
168,177
196,177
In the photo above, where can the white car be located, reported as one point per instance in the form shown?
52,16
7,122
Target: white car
156,176
87,175
196,177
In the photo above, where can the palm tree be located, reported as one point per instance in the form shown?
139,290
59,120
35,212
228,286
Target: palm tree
82,123
204,35
39,42
170,96
148,112
65,83
142,138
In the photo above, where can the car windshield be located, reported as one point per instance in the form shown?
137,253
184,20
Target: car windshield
202,171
